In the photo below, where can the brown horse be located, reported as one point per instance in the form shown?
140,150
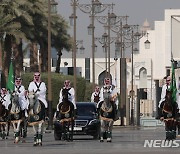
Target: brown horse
66,116
107,115
169,113
3,121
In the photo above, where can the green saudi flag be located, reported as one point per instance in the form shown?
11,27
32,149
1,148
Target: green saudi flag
10,82
173,84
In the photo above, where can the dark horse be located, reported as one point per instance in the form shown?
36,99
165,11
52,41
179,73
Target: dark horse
16,116
36,117
168,113
66,116
3,121
107,115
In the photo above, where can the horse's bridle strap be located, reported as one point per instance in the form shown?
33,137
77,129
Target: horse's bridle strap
166,111
106,119
66,120
169,119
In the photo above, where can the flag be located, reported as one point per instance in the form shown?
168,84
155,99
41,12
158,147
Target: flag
10,83
173,88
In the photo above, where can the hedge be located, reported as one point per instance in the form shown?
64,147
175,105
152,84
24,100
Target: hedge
84,89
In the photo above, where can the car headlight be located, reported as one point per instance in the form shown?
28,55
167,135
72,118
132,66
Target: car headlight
93,121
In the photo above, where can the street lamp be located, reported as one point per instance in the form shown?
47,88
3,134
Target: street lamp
94,8
51,4
103,40
147,43
134,38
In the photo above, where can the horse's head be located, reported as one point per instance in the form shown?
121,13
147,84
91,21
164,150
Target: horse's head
15,98
106,94
32,98
168,96
65,95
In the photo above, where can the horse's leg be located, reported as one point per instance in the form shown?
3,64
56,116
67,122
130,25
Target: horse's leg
72,129
109,131
168,131
174,129
35,135
40,133
63,131
3,131
0,130
178,128
17,131
102,130
24,129
8,128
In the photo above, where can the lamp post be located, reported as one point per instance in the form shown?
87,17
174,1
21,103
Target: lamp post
73,18
132,38
94,8
109,21
51,4
105,40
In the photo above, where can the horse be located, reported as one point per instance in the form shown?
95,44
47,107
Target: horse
106,110
66,116
36,117
3,121
16,116
169,112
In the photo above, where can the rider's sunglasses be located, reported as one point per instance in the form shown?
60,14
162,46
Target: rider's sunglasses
37,75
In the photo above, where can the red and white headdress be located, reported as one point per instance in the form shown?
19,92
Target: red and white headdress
37,77
18,81
3,91
107,81
67,83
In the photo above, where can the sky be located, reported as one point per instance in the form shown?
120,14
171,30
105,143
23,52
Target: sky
137,10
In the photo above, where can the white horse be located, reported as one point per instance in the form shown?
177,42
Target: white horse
16,116
106,115
36,117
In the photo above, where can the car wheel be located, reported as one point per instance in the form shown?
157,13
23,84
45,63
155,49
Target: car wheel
57,136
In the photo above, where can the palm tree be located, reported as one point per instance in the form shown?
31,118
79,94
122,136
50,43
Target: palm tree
14,34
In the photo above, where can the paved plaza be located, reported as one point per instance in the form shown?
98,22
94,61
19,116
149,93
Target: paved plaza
125,140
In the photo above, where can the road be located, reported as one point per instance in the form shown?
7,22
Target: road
125,140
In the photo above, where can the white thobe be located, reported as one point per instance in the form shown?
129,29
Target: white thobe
41,93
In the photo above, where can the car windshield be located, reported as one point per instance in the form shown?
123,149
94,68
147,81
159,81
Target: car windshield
83,110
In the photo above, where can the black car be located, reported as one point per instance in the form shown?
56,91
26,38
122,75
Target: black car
86,122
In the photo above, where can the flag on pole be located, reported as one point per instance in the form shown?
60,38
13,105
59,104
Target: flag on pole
10,82
173,88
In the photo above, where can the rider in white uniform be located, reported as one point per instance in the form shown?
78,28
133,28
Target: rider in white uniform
112,90
71,96
23,102
39,88
164,88
5,98
95,97
71,92
20,90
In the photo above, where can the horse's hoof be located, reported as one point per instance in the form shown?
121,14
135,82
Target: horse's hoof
101,140
178,136
40,144
108,139
35,144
